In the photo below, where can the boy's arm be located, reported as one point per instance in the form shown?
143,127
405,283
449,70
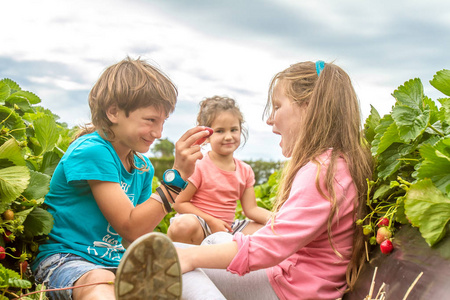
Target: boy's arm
183,205
131,222
251,209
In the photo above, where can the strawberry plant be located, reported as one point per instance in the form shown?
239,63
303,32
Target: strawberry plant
411,147
31,144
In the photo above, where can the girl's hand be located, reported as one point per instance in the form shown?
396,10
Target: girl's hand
187,152
217,225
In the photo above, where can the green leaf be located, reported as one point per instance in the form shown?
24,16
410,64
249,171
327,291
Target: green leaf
31,97
384,140
436,164
19,283
411,122
13,181
49,163
371,123
429,209
441,81
11,151
38,186
12,85
46,132
444,112
38,222
5,91
22,103
11,120
410,94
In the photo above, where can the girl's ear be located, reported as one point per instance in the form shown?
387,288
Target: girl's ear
113,113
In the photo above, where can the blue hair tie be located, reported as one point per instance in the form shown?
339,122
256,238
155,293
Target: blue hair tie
320,64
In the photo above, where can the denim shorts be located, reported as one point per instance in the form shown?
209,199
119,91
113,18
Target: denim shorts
63,270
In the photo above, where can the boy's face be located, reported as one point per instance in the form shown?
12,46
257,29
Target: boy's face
137,131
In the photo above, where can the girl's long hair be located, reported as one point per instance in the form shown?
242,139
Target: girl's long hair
332,121
130,84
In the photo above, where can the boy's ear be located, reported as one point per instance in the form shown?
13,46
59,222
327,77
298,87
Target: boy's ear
112,113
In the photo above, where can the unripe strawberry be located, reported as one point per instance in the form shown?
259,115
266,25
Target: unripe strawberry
8,214
383,234
386,247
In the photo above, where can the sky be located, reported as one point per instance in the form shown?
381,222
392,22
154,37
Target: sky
58,49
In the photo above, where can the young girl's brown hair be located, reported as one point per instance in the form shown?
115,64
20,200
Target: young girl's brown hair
331,121
130,84
211,107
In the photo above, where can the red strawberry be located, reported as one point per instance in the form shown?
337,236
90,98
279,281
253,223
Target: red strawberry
203,139
6,236
386,247
383,234
23,266
383,222
2,253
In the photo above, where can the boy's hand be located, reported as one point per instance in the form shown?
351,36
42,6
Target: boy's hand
187,152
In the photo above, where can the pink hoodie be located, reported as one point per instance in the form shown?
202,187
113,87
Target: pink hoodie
298,257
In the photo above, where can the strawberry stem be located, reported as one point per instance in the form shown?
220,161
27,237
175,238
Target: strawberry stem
66,288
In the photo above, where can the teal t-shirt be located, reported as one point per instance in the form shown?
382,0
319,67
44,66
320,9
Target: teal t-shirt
79,225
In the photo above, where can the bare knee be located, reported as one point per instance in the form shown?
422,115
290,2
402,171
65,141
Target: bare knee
105,286
186,229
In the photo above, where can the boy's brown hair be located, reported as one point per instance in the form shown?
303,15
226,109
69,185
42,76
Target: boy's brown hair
130,84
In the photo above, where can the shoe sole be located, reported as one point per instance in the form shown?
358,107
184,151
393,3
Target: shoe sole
149,269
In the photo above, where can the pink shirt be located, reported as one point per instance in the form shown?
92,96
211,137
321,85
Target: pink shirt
298,257
218,190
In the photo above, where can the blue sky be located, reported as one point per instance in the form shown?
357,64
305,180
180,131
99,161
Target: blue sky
57,49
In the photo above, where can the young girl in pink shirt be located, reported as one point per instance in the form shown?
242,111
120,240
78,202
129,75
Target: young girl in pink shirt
208,203
311,248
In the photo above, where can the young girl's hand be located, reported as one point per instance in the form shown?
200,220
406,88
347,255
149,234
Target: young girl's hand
217,225
187,152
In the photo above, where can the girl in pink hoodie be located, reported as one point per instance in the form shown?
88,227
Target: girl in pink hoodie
311,247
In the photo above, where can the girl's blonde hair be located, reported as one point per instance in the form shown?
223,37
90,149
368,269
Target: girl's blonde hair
130,84
211,107
331,121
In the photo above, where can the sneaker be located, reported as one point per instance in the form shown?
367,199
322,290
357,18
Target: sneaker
149,269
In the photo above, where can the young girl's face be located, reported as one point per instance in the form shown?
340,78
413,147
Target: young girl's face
285,119
137,131
226,137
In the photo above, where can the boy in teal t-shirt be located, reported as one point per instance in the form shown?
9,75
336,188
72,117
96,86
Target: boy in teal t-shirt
101,190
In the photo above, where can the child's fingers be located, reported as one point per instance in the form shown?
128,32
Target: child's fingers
203,139
195,136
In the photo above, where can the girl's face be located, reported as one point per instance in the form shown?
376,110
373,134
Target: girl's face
137,131
226,137
285,119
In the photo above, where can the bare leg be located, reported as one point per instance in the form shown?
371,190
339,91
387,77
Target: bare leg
186,229
251,228
100,291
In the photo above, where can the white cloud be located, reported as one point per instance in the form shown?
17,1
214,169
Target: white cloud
214,48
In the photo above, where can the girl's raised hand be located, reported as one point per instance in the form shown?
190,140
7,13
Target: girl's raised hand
187,150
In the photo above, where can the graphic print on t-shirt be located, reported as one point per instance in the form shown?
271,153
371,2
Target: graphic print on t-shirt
110,246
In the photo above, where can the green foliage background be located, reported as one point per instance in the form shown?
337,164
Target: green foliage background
411,146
